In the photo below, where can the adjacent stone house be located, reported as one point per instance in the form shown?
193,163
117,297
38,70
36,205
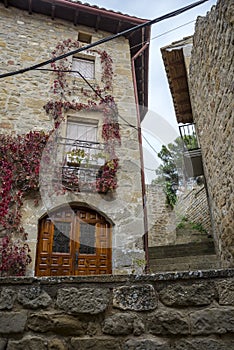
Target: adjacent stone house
200,76
88,216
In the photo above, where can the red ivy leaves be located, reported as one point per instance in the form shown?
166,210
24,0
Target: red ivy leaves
19,169
14,257
110,131
19,173
60,85
20,157
107,180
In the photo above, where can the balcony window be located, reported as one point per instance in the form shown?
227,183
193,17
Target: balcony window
84,155
192,151
82,131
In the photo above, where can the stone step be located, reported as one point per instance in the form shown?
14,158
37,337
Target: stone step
187,249
184,263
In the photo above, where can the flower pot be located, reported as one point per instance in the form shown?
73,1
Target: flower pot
74,164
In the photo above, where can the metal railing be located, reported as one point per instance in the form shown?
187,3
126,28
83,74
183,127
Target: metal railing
192,151
81,175
189,137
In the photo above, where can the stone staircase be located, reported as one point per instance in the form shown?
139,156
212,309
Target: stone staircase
181,257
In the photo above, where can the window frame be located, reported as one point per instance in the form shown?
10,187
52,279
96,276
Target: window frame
83,59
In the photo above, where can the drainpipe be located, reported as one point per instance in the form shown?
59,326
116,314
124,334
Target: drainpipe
145,237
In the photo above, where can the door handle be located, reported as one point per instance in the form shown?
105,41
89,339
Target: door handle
76,258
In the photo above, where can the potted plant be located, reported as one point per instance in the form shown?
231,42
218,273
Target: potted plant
106,178
75,157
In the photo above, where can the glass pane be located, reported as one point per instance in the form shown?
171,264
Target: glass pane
87,239
61,242
72,130
82,132
85,67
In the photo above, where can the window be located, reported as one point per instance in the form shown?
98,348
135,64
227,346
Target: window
87,238
84,37
82,135
82,131
61,239
84,155
84,66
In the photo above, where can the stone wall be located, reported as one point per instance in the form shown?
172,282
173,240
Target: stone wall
161,218
193,205
163,221
22,97
211,88
173,311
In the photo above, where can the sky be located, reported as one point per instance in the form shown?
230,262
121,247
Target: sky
159,126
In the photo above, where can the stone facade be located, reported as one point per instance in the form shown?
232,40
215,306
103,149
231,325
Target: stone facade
211,90
161,218
193,205
163,221
22,97
164,311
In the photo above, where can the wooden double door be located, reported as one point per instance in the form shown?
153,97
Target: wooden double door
74,242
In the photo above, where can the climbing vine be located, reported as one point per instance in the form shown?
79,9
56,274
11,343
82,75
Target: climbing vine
19,169
99,99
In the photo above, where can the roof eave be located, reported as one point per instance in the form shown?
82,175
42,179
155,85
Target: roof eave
120,22
176,72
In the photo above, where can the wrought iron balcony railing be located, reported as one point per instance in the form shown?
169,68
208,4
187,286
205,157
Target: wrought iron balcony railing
82,163
192,151
189,136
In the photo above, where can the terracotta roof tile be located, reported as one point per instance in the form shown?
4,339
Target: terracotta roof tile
104,9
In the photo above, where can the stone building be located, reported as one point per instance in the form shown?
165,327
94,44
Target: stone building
97,227
200,76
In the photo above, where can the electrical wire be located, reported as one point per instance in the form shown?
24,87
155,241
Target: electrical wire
156,20
172,30
149,169
104,40
144,42
101,97
164,33
130,125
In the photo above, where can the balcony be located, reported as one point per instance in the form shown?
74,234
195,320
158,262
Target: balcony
191,151
82,164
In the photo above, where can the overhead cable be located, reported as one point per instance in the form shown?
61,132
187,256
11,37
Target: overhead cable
104,40
164,33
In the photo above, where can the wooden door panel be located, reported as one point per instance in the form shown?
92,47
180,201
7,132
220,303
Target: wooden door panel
62,271
84,234
60,261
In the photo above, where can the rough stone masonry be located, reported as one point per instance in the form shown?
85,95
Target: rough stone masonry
22,97
172,311
211,89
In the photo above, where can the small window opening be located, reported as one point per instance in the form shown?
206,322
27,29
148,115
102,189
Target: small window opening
84,37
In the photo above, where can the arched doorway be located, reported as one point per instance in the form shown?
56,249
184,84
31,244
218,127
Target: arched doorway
74,242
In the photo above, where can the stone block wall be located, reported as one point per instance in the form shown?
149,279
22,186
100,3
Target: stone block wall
175,311
22,97
193,205
161,219
211,88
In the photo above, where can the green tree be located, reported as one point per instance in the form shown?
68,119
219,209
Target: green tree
171,173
